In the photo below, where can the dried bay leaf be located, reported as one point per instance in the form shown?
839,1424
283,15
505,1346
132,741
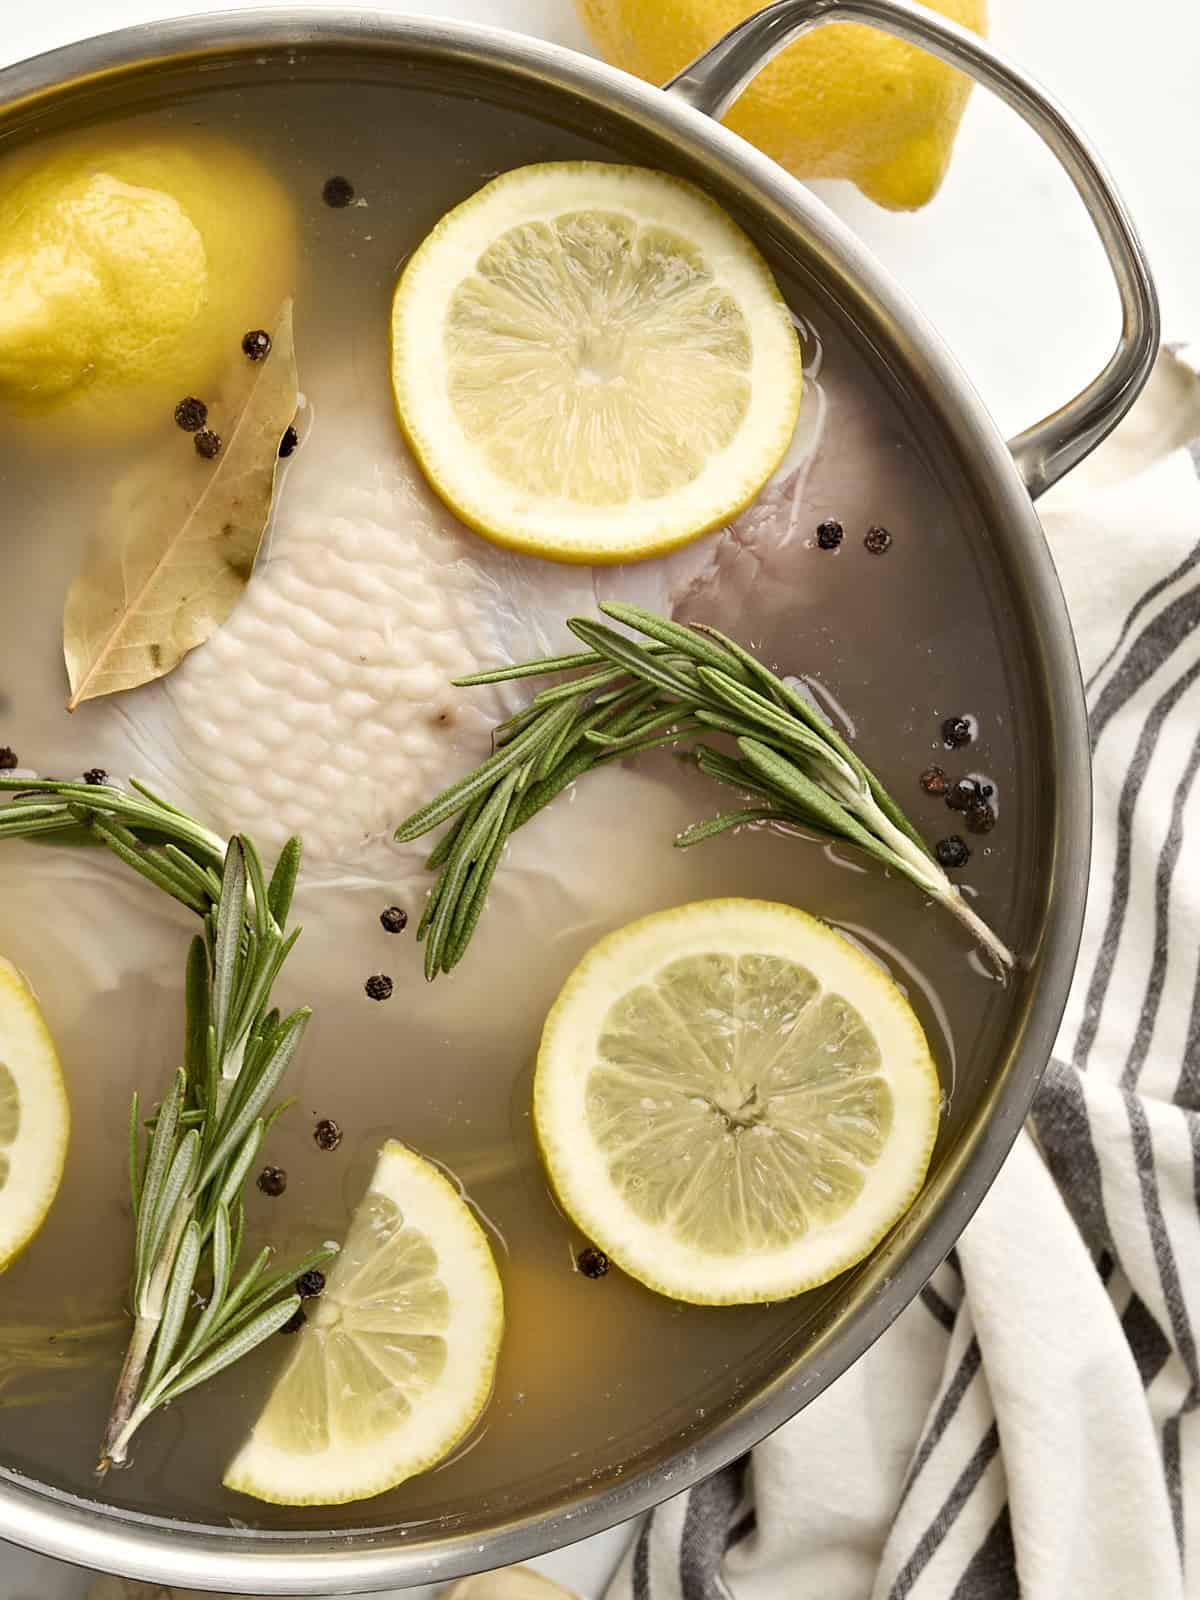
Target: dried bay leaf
177,543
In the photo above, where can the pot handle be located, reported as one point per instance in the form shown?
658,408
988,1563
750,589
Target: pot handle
1050,448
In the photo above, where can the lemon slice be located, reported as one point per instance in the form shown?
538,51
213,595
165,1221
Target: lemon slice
397,1357
592,362
733,1101
35,1120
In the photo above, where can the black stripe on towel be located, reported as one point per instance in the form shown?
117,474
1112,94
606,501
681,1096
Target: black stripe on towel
1163,879
1172,1463
1164,1256
1146,1340
941,1309
641,1561
1187,1092
712,1506
1140,604
944,1415
1064,1132
946,1517
1122,866
1172,1470
991,1573
1159,640
1168,1276
743,1528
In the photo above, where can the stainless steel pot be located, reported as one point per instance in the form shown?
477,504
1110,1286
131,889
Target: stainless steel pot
1002,481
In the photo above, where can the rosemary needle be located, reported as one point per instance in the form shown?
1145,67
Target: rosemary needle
621,696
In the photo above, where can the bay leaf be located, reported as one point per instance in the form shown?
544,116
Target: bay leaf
177,542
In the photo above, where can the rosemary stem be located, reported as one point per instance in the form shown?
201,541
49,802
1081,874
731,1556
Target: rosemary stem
959,906
117,1432
147,1321
918,865
930,876
120,1446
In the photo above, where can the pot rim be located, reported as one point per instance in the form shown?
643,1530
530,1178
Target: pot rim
85,1532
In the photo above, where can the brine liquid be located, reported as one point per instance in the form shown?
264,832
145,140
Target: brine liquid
593,1373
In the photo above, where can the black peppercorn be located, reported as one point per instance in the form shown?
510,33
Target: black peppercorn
952,852
394,919
327,1134
95,775
830,534
208,443
289,441
591,1262
934,780
191,414
956,732
295,1322
310,1284
8,758
981,818
379,987
338,192
877,540
272,1181
964,794
256,344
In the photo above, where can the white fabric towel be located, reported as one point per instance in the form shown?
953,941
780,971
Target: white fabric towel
1030,1426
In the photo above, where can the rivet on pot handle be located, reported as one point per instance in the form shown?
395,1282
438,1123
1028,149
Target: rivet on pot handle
1053,446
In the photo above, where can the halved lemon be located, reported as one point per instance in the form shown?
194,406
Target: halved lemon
397,1358
35,1120
733,1101
592,362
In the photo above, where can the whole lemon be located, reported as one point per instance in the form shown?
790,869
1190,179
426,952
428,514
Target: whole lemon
130,268
844,101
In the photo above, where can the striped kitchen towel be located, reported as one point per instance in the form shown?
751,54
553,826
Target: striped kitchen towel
1030,1426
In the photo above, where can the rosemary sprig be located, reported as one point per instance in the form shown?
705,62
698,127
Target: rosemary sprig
625,697
188,1166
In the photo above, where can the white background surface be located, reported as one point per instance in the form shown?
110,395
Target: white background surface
1002,262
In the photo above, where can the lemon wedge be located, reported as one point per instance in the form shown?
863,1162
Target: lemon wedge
593,363
733,1101
35,1120
397,1358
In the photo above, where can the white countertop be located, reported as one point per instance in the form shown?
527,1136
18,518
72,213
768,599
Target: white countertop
1003,262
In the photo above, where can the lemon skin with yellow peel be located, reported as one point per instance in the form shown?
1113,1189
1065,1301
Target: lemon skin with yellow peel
130,268
844,101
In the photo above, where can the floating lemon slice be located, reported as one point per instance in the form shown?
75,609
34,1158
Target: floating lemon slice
733,1101
35,1120
593,363
397,1357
